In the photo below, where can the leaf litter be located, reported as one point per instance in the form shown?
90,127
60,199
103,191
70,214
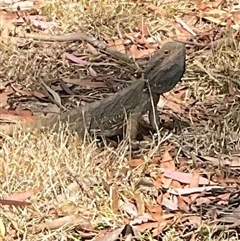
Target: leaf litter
187,189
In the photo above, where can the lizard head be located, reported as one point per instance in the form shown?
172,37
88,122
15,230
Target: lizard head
166,67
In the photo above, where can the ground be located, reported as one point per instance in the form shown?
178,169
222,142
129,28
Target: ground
58,187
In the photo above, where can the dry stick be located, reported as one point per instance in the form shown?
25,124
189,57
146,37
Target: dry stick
66,37
215,44
76,37
103,46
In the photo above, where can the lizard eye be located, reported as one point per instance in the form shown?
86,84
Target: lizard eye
166,52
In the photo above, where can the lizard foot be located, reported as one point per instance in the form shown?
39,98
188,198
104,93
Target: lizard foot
135,145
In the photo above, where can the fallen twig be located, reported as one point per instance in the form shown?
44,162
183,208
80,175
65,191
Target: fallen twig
215,44
101,45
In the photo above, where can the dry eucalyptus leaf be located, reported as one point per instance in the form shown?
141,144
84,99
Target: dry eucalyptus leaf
85,82
55,95
3,99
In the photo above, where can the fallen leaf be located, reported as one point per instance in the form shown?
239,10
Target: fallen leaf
28,93
23,113
225,196
116,234
14,202
159,199
142,41
170,204
185,191
236,17
156,212
130,208
138,54
173,106
144,218
158,10
184,177
92,72
176,184
155,208
13,116
215,20
7,15
202,200
85,82
140,203
162,225
161,103
180,93
3,85
146,226
186,199
144,28
158,182
216,12
165,182
117,44
87,235
193,219
37,21
92,49
182,205
7,22
230,180
5,88
78,60
202,5
22,5
194,183
135,162
5,2
186,27
19,21
22,196
3,99
114,199
232,161
64,87
64,209
54,94
167,161
182,33
106,186
130,37
190,19
67,221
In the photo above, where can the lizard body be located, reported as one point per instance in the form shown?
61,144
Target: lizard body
107,116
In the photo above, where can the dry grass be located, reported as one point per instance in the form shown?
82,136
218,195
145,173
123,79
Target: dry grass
56,160
71,174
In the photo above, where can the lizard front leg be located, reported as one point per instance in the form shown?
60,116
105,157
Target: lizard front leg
132,125
132,128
